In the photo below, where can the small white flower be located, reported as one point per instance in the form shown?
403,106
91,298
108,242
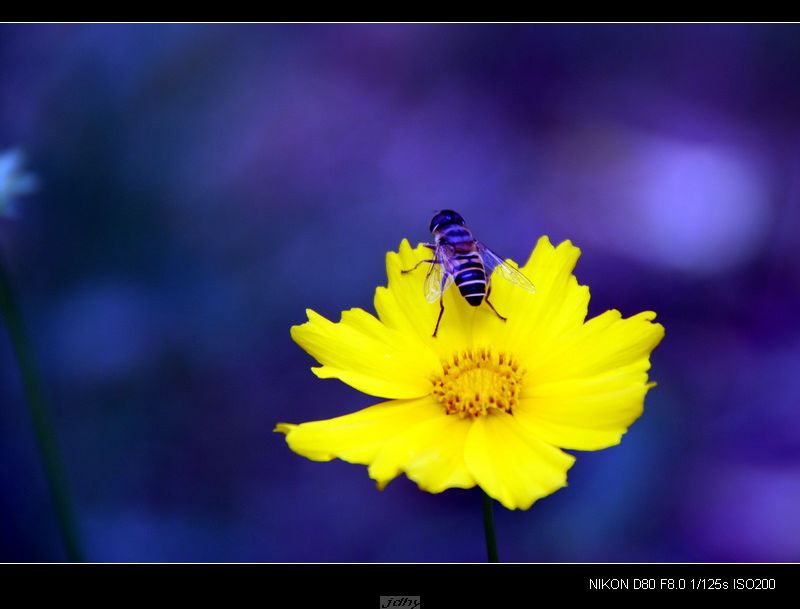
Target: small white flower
14,182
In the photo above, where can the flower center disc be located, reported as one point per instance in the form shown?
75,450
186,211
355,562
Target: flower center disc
475,382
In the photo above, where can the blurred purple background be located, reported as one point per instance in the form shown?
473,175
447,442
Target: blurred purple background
200,186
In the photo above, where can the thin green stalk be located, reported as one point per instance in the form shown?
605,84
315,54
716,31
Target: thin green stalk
488,527
43,429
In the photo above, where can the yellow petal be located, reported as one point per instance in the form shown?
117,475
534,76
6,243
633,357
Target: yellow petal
604,344
511,464
593,387
430,453
367,355
535,320
360,436
402,305
585,414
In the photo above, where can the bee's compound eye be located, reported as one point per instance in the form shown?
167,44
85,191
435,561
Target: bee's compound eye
445,217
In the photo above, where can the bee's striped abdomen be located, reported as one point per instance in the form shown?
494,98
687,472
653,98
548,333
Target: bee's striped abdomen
469,275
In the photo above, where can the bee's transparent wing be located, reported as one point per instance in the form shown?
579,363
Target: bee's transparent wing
437,280
492,261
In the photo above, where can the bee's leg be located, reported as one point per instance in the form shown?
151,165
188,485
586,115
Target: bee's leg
431,246
414,268
441,312
492,306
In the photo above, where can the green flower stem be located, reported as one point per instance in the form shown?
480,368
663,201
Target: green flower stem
488,527
43,429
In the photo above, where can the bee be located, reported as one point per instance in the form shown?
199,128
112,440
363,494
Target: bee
459,258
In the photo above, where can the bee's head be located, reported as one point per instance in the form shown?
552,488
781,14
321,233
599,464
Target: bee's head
445,217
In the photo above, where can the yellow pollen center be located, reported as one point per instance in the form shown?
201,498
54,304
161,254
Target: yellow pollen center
475,382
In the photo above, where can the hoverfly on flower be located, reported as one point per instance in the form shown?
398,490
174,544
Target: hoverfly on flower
459,258
486,403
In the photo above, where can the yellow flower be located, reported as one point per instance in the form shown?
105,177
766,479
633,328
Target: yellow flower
484,402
